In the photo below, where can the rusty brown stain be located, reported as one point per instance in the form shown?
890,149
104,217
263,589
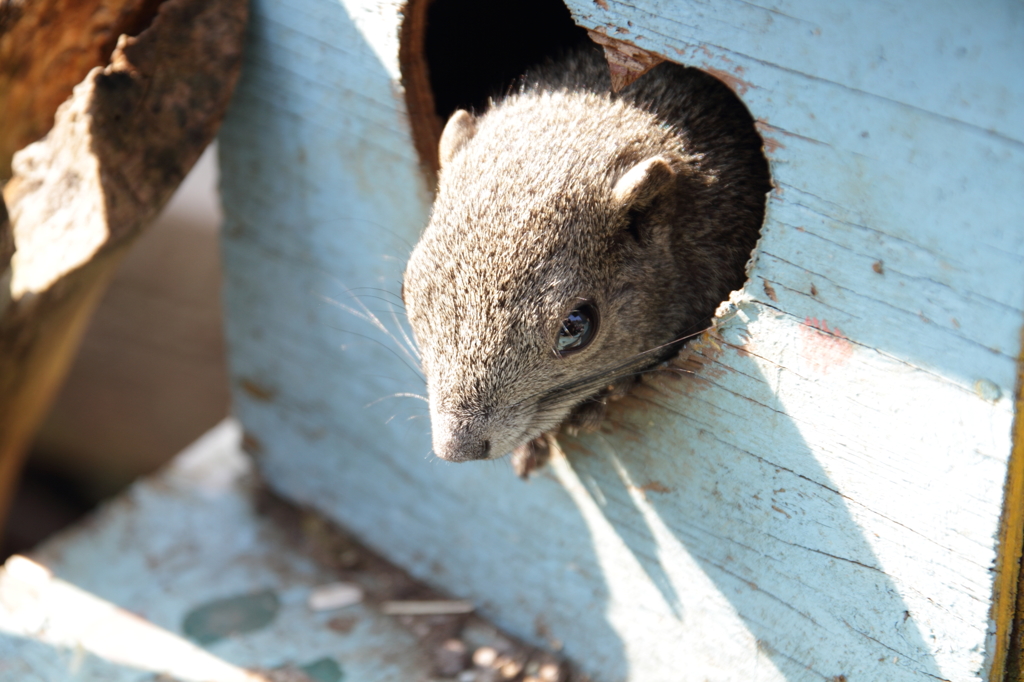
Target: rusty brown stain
626,61
251,444
342,624
698,364
651,487
770,290
540,627
708,53
257,391
814,290
765,128
878,267
621,29
823,348
601,3
735,83
771,144
781,511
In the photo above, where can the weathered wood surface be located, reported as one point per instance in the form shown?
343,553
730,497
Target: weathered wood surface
107,600
824,497
46,48
118,149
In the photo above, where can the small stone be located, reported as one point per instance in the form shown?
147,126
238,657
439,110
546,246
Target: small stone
551,672
987,390
323,670
232,616
451,657
508,667
484,657
334,596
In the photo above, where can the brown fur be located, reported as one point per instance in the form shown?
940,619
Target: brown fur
526,225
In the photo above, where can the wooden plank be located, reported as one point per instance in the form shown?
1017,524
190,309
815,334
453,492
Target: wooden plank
822,499
1007,607
108,599
950,60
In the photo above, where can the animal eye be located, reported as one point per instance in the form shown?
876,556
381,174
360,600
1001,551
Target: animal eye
577,330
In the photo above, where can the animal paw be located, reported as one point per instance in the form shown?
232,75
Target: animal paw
531,456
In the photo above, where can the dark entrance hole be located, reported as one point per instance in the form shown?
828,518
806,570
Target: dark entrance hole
457,54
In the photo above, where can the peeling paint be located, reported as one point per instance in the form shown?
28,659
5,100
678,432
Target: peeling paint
735,83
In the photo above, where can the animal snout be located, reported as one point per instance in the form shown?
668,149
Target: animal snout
458,441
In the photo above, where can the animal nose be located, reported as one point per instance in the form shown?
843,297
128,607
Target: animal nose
463,449
459,442
459,439
478,450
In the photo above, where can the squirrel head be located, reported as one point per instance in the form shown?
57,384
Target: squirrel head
547,271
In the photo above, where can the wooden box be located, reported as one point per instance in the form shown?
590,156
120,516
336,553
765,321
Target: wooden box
835,494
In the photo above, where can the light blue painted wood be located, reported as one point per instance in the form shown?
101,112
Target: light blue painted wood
810,504
106,600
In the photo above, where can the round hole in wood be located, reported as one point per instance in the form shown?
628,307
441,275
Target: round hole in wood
459,53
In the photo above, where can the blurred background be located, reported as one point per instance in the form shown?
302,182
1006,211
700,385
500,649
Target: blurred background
153,357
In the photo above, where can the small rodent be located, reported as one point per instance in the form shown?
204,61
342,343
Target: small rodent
576,237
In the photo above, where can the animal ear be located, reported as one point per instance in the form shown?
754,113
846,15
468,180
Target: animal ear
459,130
642,183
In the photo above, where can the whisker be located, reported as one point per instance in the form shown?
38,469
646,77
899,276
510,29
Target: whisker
582,386
405,336
383,291
383,345
368,316
397,395
376,298
375,225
